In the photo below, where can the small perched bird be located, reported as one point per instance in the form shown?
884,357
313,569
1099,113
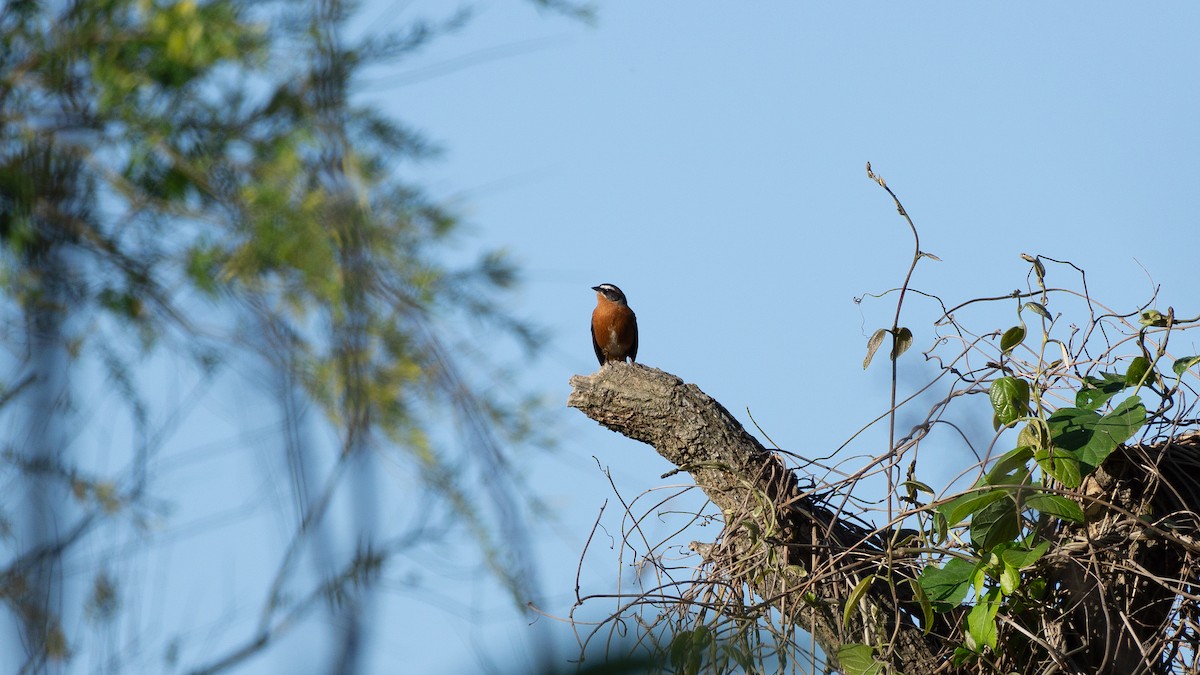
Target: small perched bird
614,326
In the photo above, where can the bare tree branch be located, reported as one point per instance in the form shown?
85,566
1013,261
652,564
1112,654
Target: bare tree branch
787,532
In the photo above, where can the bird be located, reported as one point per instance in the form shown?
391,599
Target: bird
614,326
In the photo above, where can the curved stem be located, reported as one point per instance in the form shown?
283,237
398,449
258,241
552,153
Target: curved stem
896,328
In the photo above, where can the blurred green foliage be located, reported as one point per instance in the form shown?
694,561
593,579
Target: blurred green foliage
166,165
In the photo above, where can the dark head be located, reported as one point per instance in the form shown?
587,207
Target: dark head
611,292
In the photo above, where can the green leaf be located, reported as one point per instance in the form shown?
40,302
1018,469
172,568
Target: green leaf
963,656
1010,580
873,345
923,601
1056,505
1011,338
979,578
1093,437
912,487
1010,469
1010,399
1097,390
1117,426
1072,428
688,648
738,656
917,485
1153,317
1039,310
1038,268
959,508
1035,434
1138,369
1061,465
855,596
941,527
741,656
995,523
1181,365
947,586
859,659
1021,558
1036,588
981,622
903,341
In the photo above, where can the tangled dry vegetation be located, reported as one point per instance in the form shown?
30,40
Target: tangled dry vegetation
1071,546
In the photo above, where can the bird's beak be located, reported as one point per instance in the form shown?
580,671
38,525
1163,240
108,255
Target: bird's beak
596,288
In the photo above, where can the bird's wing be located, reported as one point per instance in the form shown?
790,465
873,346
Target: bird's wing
633,349
596,346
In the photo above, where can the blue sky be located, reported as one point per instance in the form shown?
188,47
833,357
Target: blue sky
708,158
